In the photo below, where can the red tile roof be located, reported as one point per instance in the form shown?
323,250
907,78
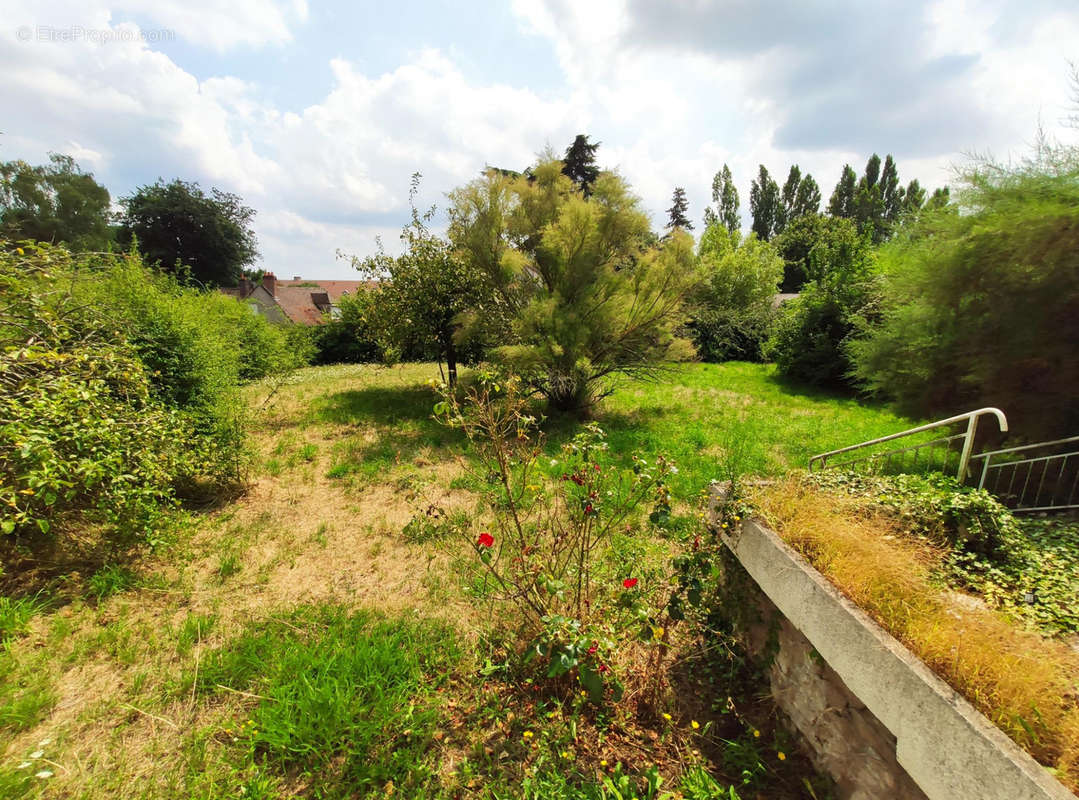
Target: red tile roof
302,300
298,298
333,288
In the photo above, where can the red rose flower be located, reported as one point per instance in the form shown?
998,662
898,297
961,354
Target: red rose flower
485,540
602,668
629,583
592,650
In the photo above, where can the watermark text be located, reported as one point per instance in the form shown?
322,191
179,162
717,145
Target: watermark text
78,33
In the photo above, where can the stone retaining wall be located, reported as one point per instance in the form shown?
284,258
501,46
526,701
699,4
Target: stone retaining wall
870,713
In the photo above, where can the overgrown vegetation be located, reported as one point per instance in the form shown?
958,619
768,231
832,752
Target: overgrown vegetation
1027,567
1022,681
235,660
120,391
808,342
732,311
982,307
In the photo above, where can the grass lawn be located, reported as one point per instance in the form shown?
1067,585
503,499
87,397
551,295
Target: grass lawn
295,642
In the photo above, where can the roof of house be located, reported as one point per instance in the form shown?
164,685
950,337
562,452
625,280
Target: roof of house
333,288
303,301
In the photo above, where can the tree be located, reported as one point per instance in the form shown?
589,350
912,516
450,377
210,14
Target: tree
807,201
423,293
913,198
788,197
810,337
57,202
725,198
579,163
982,308
180,228
797,242
868,201
764,203
586,290
891,192
939,199
678,212
841,203
732,309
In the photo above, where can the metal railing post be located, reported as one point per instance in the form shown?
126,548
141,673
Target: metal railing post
971,418
968,447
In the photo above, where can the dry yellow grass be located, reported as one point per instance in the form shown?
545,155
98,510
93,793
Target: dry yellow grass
1023,682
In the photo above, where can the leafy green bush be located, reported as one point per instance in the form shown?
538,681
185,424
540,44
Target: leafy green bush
120,389
797,241
808,342
982,308
732,310
348,338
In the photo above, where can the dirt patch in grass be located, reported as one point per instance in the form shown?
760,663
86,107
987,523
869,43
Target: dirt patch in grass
1024,682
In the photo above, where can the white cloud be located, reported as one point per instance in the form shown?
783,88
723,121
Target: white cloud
669,104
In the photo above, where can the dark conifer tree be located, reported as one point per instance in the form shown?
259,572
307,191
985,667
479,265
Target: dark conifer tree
579,163
913,197
678,213
788,197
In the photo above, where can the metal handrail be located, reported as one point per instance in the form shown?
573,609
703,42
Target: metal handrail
1021,501
971,418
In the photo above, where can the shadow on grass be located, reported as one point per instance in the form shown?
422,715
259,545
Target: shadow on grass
800,390
399,423
378,405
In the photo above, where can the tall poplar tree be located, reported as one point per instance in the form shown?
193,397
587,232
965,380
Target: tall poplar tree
891,191
788,197
913,198
841,203
807,201
764,204
725,198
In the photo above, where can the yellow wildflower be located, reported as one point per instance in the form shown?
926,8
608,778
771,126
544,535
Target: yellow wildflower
667,717
782,756
527,734
694,724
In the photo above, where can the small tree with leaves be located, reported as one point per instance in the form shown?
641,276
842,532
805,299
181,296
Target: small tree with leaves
422,293
586,290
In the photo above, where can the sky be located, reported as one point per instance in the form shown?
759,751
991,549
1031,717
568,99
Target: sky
317,114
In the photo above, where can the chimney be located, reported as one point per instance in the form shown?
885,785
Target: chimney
269,283
245,286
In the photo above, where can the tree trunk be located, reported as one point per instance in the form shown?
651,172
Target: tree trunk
451,358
